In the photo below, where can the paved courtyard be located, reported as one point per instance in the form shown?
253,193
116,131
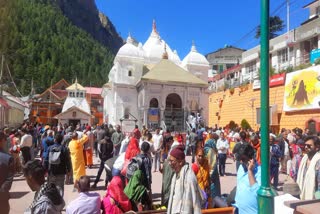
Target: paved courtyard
21,195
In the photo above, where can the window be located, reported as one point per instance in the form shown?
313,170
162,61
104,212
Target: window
81,94
220,68
215,67
283,55
318,10
314,43
129,73
229,66
251,67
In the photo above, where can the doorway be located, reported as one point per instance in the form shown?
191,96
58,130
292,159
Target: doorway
74,123
174,114
153,114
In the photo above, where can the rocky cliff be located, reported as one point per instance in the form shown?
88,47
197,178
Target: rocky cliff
85,15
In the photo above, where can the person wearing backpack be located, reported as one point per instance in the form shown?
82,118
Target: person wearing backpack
139,174
146,164
46,143
58,163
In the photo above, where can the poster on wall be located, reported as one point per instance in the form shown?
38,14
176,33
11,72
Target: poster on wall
153,115
302,90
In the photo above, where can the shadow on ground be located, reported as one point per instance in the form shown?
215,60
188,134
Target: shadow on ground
16,195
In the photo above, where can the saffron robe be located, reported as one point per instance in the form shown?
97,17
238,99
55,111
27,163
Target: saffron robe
77,159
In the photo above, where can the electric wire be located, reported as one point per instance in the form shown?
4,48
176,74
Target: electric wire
275,12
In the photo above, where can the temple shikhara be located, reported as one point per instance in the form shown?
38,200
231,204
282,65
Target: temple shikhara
150,84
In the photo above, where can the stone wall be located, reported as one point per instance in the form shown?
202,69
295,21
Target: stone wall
238,106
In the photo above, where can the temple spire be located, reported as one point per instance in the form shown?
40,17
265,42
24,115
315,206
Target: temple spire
165,54
193,47
129,39
154,26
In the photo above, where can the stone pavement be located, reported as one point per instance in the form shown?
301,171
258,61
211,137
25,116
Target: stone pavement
21,195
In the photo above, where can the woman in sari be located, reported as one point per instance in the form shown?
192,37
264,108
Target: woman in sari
116,201
210,152
132,149
202,173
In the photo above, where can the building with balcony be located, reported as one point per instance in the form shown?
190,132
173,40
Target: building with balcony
224,58
287,51
294,88
12,110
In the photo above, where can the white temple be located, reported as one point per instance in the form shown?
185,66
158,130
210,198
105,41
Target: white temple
76,109
149,83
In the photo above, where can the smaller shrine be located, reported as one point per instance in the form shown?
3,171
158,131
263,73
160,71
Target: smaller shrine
76,109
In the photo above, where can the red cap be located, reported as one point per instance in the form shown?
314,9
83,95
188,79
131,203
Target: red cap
178,153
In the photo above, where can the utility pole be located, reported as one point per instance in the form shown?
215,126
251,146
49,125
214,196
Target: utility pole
1,73
50,113
265,193
288,31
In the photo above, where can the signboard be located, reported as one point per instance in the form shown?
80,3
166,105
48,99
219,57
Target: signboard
256,84
315,54
275,80
127,126
153,115
302,90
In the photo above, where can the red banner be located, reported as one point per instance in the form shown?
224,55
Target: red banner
278,79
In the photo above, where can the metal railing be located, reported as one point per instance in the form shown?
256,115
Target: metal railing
163,125
188,127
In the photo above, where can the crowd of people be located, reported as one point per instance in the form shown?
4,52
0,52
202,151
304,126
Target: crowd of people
51,157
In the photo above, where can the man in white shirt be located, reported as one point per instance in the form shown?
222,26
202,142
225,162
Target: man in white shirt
26,145
87,202
157,145
222,146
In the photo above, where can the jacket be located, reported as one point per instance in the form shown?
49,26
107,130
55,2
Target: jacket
7,171
46,201
65,162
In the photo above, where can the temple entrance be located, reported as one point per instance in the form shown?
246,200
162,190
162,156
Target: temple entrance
74,123
153,114
173,114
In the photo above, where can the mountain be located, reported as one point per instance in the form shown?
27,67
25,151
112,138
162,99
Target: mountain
43,41
85,15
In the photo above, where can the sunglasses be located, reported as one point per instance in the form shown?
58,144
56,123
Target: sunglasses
307,145
172,161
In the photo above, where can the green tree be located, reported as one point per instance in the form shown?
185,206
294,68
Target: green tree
232,125
276,24
40,43
245,125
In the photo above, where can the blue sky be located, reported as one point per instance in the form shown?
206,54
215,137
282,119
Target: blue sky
212,24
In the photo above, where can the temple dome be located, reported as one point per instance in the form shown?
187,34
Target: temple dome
195,58
154,47
130,50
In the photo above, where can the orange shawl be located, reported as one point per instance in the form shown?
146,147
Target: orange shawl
203,175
